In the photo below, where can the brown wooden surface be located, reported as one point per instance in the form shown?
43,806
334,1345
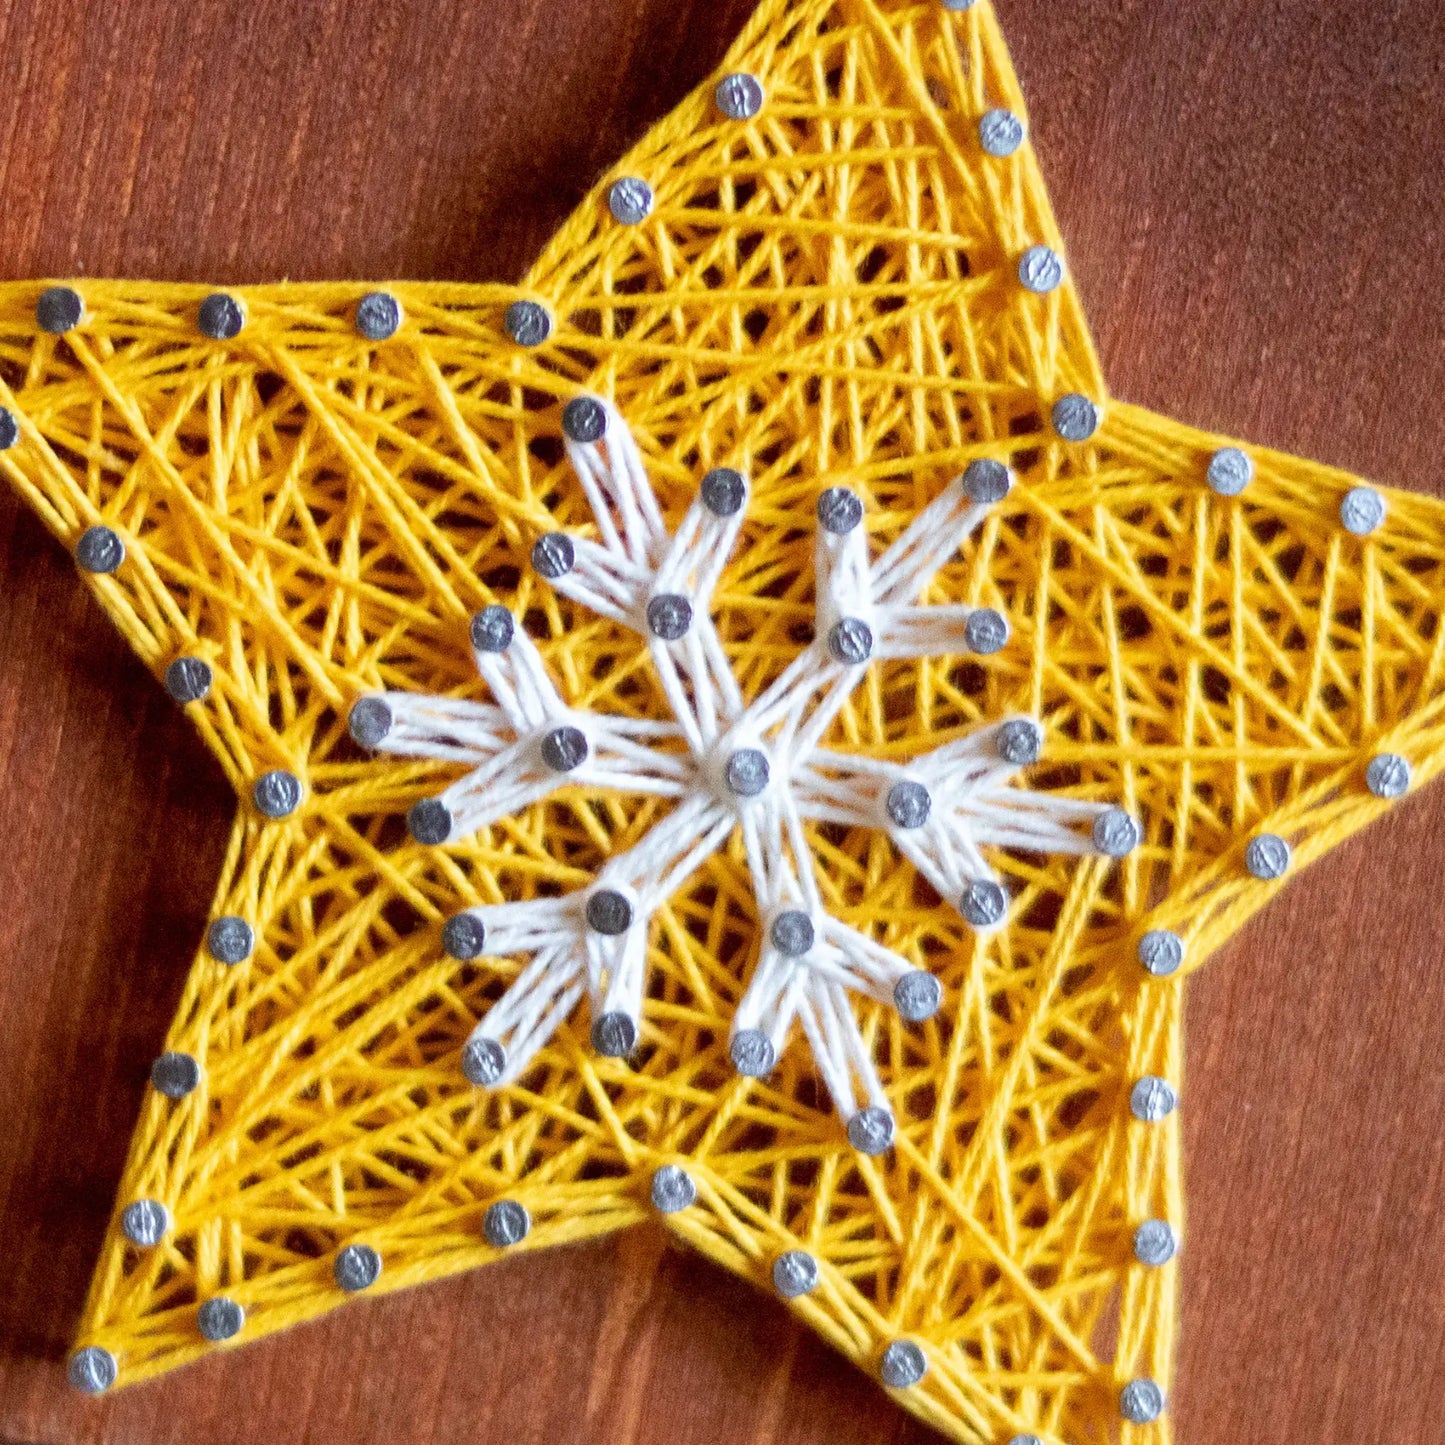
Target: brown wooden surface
1252,193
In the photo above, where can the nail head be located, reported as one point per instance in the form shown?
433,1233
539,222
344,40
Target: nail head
1000,133
986,480
1141,1402
870,1130
144,1222
1387,775
429,821
369,721
1116,833
528,323
609,912
672,1189
506,1223
1362,509
277,793
747,772
614,1035
792,933
1229,472
378,316
554,556
584,420
1075,417
984,903
903,1364
1040,269
795,1274
739,96
230,939
752,1053
59,310
1152,1099
724,491
356,1267
839,510
1267,856
99,549
1155,1243
630,200
917,996
669,616
986,631
908,803
220,317
220,1319
483,1061
188,679
91,1370
1020,741
1161,952
492,629
464,936
175,1075
565,749
850,641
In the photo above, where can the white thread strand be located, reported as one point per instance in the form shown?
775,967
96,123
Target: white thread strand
862,962
929,540
448,729
831,1062
904,632
842,583
533,1008
801,859
587,463
615,972
599,582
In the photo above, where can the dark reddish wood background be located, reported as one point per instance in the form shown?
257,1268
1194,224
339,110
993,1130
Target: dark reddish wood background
1251,189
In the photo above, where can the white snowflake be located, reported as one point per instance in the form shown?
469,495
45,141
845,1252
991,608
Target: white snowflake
729,764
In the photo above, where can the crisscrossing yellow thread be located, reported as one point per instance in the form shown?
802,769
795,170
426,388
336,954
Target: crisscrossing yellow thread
824,294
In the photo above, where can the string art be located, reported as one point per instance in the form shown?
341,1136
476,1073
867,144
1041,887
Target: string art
739,730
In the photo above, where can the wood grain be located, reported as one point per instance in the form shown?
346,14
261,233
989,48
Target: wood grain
1251,192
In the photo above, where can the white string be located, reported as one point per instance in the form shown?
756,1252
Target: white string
921,631
448,729
929,540
973,800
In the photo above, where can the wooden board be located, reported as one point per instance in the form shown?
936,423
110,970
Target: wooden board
1251,192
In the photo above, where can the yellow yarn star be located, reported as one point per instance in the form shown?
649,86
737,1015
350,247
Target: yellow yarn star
840,269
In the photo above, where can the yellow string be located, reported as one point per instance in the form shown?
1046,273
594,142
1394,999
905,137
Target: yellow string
826,294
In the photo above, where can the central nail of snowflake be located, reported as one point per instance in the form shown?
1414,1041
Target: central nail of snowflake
757,766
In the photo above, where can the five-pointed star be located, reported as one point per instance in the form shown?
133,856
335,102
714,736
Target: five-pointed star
828,278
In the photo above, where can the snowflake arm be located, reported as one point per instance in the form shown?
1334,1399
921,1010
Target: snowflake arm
609,466
445,729
866,612
521,750
905,570
660,587
808,962
541,997
593,941
942,807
